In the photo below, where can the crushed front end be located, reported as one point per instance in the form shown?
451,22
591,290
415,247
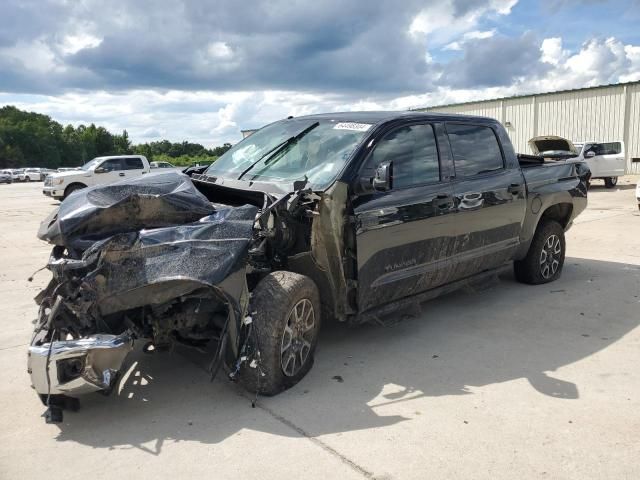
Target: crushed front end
150,259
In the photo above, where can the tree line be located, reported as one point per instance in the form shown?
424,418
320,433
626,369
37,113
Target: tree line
29,139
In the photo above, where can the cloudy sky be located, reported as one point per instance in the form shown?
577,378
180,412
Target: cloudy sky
201,70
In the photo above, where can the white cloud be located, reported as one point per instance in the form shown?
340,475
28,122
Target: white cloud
598,62
552,51
220,50
34,56
72,44
441,22
472,35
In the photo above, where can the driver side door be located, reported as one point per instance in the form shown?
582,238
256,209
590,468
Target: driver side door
113,171
403,235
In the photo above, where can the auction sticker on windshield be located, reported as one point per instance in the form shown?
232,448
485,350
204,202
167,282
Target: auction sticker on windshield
358,127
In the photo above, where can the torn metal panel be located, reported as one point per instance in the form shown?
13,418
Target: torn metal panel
152,258
151,201
328,245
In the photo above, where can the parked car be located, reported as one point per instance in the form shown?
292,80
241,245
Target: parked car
5,177
33,174
99,171
17,175
605,160
161,165
348,216
164,167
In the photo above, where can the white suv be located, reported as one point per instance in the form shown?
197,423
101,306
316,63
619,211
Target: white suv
99,171
605,160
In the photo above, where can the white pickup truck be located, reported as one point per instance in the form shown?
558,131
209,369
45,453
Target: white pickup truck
99,171
606,160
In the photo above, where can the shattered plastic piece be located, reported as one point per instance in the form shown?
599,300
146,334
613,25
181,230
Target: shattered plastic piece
247,320
253,363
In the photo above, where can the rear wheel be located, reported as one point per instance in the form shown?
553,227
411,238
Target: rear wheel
610,182
285,308
545,257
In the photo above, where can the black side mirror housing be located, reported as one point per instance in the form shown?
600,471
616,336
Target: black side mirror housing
382,179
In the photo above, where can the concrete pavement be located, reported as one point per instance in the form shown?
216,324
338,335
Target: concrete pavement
513,381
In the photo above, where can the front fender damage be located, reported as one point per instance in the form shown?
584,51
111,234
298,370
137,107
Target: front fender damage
149,259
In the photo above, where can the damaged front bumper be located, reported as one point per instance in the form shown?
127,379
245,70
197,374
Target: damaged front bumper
150,259
76,367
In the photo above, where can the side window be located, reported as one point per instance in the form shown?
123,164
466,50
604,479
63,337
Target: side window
612,148
133,164
475,149
112,165
414,154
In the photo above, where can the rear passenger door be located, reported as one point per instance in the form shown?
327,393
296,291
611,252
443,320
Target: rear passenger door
403,234
134,167
490,200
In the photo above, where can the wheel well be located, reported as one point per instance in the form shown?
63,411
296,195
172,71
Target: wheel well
560,212
74,184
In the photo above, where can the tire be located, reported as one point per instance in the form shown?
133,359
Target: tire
545,258
72,188
273,307
610,182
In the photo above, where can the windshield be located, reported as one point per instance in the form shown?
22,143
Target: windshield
320,153
91,163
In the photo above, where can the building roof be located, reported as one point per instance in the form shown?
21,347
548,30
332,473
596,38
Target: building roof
527,95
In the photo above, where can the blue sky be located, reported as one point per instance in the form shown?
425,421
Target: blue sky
202,70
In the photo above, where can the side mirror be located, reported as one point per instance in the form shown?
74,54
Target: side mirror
590,154
100,170
382,180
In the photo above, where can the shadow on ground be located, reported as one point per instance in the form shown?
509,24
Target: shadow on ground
600,186
465,340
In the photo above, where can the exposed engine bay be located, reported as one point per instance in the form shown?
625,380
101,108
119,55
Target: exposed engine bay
159,259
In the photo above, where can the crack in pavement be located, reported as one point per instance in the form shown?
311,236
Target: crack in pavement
238,390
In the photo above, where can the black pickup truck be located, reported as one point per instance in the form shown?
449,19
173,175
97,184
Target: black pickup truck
346,216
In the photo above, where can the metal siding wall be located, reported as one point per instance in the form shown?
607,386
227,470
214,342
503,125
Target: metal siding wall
519,112
595,114
633,148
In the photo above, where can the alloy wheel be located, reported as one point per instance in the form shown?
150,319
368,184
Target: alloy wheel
550,256
297,337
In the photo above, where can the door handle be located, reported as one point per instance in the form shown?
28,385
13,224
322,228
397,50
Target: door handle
121,174
514,188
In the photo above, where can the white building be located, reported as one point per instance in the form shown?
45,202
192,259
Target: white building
609,113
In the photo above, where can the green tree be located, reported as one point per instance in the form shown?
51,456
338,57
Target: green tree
29,139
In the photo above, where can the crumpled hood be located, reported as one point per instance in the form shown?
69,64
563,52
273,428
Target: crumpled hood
551,143
91,214
146,241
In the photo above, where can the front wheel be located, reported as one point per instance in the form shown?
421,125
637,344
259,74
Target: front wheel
545,257
72,188
285,309
610,182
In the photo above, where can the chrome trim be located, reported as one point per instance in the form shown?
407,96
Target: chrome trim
100,358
